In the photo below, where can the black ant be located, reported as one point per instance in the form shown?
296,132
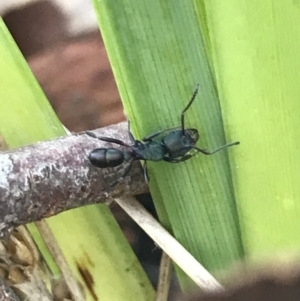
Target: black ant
173,147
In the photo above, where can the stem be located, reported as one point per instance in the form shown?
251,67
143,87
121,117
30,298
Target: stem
50,177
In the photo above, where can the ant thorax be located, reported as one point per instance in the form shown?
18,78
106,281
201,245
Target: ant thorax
151,150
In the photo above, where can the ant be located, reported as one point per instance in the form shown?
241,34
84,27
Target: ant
173,147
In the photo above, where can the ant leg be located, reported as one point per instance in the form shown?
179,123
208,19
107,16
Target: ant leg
91,134
188,106
207,152
107,139
145,170
182,159
201,150
145,139
151,136
131,137
126,172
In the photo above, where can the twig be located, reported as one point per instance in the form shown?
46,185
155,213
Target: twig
46,178
60,260
164,278
169,245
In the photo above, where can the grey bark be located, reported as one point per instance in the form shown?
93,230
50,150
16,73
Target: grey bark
6,293
49,177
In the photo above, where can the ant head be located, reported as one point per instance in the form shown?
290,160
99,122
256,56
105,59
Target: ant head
192,134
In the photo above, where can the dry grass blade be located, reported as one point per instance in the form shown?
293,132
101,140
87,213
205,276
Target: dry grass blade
169,245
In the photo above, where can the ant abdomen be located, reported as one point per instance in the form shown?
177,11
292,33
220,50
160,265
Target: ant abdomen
106,157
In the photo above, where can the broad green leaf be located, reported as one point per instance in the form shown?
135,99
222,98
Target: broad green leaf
89,237
256,57
158,56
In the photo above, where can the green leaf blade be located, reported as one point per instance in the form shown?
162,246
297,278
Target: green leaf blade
89,237
258,74
156,70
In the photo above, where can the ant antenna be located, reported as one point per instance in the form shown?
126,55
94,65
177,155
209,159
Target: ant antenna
188,106
207,152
